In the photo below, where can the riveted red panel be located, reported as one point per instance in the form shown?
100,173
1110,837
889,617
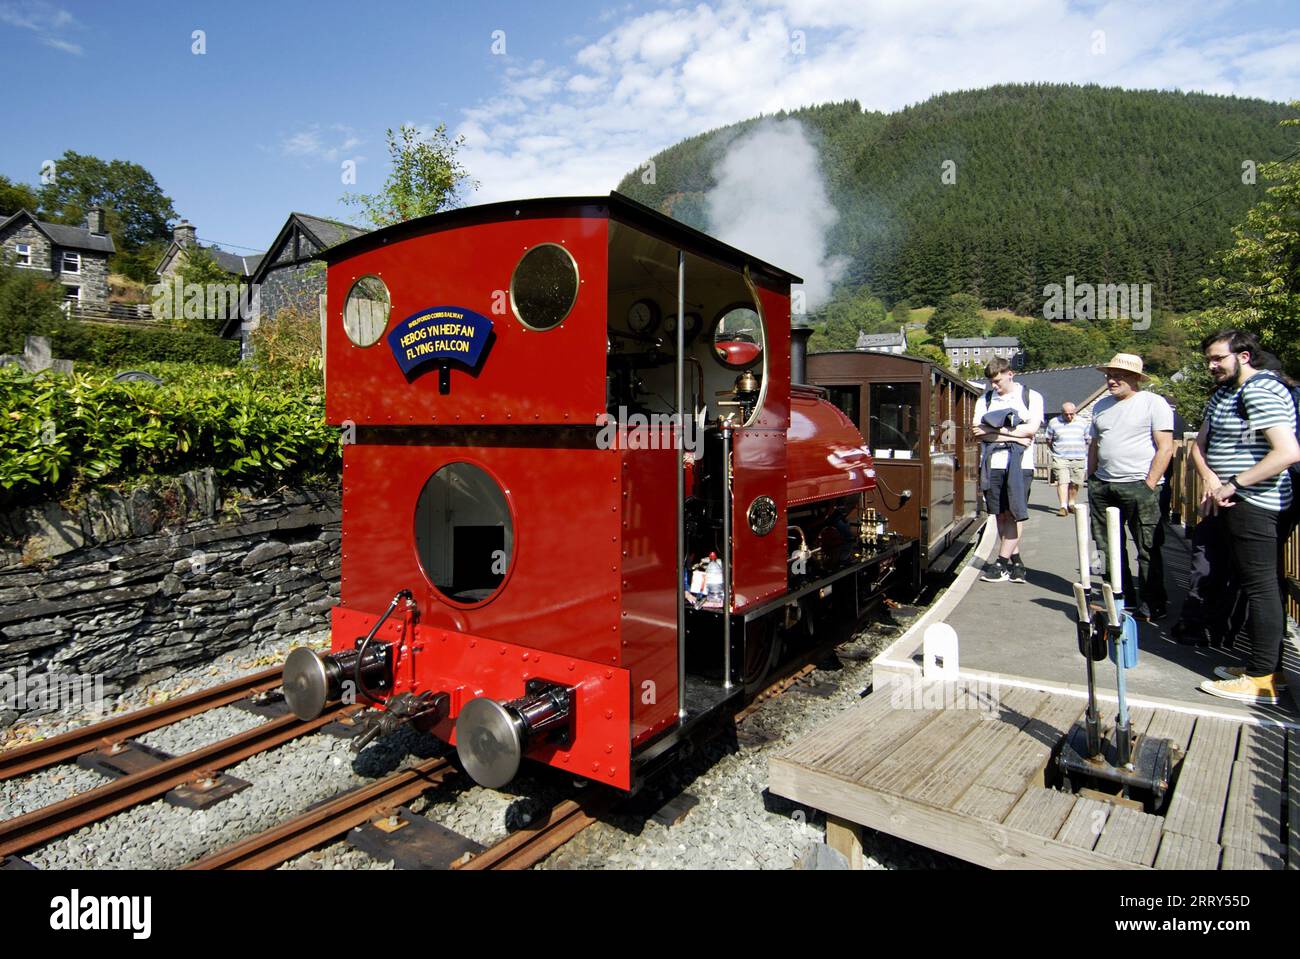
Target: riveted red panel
759,469
466,666
827,457
471,267
775,414
561,591
649,599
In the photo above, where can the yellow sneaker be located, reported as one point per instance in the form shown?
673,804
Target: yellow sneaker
1232,672
1244,689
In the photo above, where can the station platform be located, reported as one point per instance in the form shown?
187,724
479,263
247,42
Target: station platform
965,765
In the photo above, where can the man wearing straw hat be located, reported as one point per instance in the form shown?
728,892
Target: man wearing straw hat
1132,443
1246,444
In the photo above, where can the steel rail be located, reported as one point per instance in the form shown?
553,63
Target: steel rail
526,847
58,819
36,756
268,849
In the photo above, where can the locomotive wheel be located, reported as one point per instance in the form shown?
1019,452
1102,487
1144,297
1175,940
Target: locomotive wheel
763,646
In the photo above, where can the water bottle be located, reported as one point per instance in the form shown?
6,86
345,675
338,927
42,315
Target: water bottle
713,581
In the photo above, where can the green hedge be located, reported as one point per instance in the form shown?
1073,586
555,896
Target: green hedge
122,346
61,434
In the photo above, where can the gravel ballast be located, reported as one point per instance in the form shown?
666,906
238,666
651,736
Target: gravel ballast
735,822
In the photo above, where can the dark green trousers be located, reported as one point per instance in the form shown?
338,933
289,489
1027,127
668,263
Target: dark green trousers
1139,511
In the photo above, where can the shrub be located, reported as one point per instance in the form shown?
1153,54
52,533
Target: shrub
28,305
121,345
290,340
59,434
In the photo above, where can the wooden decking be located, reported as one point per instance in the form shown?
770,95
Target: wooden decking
969,779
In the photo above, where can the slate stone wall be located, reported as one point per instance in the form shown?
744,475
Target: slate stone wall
131,589
292,286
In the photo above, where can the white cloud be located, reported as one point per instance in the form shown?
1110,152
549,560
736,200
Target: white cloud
44,19
654,77
316,142
64,45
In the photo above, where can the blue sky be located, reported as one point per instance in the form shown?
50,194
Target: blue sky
286,91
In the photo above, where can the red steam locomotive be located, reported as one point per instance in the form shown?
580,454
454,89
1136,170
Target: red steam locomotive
586,500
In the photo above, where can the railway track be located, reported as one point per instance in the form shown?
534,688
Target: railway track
58,819
268,849
36,756
521,849
525,848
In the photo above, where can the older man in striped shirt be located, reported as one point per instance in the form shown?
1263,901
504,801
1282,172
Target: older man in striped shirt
1067,437
1246,443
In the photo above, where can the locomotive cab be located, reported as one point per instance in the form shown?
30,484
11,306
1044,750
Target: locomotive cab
553,410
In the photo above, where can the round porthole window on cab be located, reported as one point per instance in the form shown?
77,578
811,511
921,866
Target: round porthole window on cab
365,312
738,337
464,533
544,286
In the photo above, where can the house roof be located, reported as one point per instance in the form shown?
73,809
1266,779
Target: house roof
73,237
242,266
328,232
1066,384
868,341
949,342
233,262
324,233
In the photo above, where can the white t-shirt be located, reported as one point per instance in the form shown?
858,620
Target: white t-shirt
1031,415
1123,430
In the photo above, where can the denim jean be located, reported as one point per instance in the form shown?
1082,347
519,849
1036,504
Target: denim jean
1139,510
1249,535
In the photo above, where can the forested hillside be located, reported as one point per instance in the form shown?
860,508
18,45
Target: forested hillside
1107,185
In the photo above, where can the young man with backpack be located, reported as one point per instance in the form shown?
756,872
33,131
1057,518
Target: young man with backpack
1006,419
1243,452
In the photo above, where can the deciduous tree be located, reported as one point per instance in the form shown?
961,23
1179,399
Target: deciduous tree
426,177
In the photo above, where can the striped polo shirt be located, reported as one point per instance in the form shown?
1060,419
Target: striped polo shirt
1237,444
1069,440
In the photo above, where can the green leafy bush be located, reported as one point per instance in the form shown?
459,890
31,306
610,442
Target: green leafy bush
29,303
61,434
121,345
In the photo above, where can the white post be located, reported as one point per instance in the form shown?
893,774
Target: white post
1081,543
1114,542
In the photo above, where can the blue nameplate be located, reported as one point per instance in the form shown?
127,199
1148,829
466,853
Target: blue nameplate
438,334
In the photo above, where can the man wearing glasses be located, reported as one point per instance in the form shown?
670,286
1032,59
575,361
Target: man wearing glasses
1132,443
1247,442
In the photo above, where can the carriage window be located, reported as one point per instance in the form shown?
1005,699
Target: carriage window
365,313
544,286
849,400
738,337
895,420
464,534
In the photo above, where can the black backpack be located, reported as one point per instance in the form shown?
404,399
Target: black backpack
1024,396
1294,468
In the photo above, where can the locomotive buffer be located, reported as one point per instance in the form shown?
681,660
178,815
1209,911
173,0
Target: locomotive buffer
1138,768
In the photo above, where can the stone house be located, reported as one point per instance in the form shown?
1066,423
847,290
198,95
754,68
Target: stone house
185,239
883,342
287,275
74,256
980,349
